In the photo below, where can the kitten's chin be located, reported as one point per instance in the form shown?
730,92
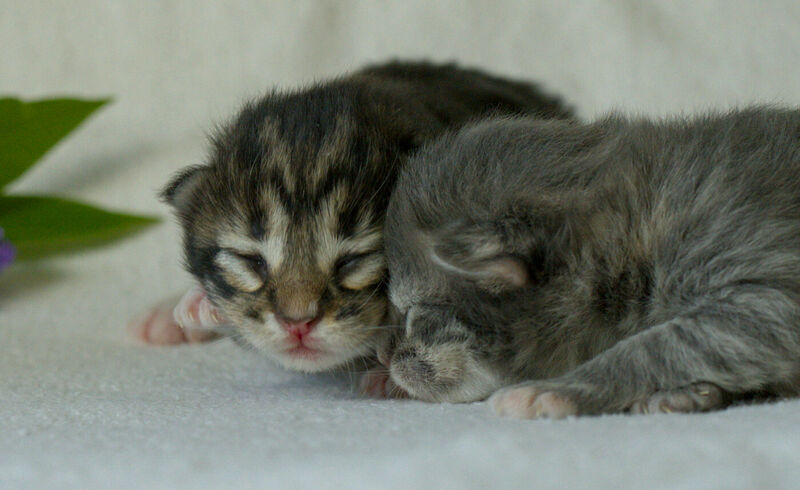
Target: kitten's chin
311,360
312,354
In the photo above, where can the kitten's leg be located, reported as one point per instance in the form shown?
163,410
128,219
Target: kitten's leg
743,339
190,318
376,382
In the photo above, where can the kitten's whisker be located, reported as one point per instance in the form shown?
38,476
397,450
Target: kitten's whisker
371,371
372,294
380,186
382,327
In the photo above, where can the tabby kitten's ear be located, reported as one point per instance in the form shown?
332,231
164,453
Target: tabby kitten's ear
483,260
180,189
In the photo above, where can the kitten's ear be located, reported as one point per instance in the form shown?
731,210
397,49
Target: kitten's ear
180,189
483,261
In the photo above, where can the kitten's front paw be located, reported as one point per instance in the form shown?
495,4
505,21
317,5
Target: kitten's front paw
376,383
195,313
191,318
156,326
534,400
697,397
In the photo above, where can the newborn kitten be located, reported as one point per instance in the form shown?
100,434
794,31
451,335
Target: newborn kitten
283,227
619,265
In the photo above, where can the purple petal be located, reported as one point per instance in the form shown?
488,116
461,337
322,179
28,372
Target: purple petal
7,254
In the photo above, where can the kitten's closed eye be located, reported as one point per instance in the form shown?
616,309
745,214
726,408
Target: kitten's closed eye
347,263
257,263
359,270
244,271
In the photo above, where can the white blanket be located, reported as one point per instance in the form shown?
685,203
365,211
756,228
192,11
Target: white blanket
82,406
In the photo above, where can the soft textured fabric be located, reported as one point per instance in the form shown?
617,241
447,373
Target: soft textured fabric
83,406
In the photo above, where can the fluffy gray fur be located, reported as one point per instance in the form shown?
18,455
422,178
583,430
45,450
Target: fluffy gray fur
618,265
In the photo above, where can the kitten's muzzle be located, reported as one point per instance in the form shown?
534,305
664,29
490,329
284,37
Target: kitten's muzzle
298,328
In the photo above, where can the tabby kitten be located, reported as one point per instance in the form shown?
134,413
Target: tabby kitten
622,265
283,227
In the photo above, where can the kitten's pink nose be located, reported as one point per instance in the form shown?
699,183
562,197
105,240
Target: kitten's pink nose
298,328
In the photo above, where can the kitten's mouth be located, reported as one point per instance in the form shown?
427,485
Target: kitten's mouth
304,352
313,356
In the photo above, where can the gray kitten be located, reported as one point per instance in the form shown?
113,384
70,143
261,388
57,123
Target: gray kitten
622,265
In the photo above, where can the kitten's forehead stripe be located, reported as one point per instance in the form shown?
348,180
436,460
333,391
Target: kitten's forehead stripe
326,247
273,249
238,242
277,185
277,153
307,200
334,152
333,182
331,243
304,173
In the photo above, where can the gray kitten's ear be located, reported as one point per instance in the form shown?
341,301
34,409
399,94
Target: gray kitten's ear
484,262
180,189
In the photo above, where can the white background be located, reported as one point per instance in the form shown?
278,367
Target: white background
82,405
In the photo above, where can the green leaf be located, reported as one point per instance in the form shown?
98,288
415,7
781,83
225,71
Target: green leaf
41,226
29,129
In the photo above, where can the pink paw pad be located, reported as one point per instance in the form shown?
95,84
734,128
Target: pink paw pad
526,402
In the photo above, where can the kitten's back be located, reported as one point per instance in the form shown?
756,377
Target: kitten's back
542,245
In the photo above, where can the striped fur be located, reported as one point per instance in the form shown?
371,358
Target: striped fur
286,217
